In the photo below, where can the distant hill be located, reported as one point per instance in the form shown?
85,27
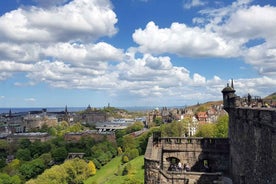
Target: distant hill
204,106
271,96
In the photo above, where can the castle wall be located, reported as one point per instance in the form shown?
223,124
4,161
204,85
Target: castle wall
76,136
186,150
252,145
194,151
151,163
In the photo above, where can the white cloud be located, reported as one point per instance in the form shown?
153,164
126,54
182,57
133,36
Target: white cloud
199,80
59,74
182,40
83,54
83,20
7,68
20,52
187,4
62,53
225,32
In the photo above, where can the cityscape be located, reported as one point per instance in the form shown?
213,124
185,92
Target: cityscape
137,92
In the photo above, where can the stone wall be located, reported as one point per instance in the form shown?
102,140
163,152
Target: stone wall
76,136
151,163
186,150
252,134
189,177
194,151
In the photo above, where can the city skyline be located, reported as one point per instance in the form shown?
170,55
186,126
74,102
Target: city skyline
134,53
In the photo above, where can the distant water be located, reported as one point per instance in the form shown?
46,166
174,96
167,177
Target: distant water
49,109
70,109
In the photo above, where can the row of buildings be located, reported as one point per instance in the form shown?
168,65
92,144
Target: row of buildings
193,115
14,126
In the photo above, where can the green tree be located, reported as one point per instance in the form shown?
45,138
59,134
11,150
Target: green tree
206,130
59,154
12,167
120,133
24,143
6,179
54,175
97,163
77,170
103,158
221,127
47,158
158,121
132,153
174,129
129,142
23,154
135,127
52,131
37,148
73,171
32,168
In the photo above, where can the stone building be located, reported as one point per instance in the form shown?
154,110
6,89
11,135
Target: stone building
32,136
92,116
252,137
206,158
77,136
248,156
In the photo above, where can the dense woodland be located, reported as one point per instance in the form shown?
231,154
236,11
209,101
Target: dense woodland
42,162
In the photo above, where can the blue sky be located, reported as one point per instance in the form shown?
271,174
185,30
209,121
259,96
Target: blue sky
134,52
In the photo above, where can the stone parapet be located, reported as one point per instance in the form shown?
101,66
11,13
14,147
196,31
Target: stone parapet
252,134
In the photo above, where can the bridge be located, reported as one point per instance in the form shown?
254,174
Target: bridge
110,128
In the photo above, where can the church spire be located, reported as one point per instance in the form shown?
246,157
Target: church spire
232,83
66,110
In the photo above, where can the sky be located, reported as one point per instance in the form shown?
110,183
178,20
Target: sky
77,53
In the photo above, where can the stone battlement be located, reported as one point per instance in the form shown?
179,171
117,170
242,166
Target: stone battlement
247,156
163,155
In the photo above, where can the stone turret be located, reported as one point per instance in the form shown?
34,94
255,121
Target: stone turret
229,96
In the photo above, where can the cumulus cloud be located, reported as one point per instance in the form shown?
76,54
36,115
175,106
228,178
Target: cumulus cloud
7,68
224,32
182,40
25,52
67,54
88,54
59,74
83,20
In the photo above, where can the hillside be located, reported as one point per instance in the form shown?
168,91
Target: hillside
111,172
271,96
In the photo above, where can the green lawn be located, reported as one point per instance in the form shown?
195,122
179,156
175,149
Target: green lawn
111,172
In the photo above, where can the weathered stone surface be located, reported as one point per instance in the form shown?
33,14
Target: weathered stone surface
249,155
252,145
194,151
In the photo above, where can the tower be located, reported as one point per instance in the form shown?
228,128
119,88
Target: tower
229,96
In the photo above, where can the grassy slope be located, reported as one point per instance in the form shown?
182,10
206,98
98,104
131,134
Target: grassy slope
107,174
